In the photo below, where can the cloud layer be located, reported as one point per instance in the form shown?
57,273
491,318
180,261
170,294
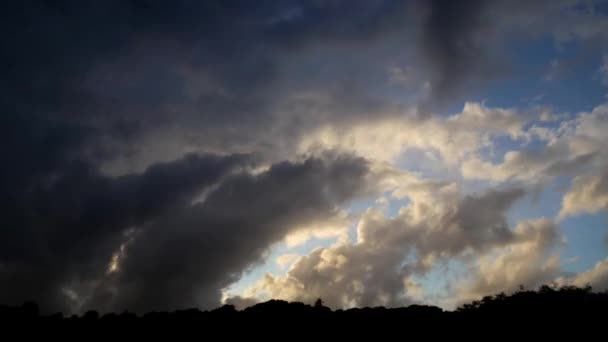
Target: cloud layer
153,152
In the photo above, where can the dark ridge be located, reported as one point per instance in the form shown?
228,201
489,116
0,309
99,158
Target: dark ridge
550,310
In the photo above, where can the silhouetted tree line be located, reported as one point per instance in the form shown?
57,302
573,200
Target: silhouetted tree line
550,310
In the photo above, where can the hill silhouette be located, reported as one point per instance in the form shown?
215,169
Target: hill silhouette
548,310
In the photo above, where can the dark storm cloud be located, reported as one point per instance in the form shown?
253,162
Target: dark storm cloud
453,41
65,228
113,76
450,40
188,256
83,82
467,44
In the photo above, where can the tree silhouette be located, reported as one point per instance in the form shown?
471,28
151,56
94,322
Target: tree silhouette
319,303
548,307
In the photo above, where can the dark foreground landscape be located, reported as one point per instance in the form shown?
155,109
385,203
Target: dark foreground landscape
550,311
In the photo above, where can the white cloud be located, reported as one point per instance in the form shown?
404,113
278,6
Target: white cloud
453,138
587,194
574,146
438,224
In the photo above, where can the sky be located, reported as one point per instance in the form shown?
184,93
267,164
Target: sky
161,155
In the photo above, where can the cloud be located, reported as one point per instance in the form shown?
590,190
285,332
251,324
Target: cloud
530,260
571,148
597,277
141,242
464,42
66,229
574,148
452,42
438,225
587,194
604,70
390,253
332,227
148,86
454,139
123,125
158,80
175,260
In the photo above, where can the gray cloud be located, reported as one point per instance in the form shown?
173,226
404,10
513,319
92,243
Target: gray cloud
128,83
120,75
465,43
169,250
187,257
64,228
453,43
87,84
528,260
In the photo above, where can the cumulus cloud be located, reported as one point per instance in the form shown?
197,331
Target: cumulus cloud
381,267
229,231
454,139
377,269
573,147
530,260
587,194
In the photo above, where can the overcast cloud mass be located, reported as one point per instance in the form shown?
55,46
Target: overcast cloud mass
159,155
